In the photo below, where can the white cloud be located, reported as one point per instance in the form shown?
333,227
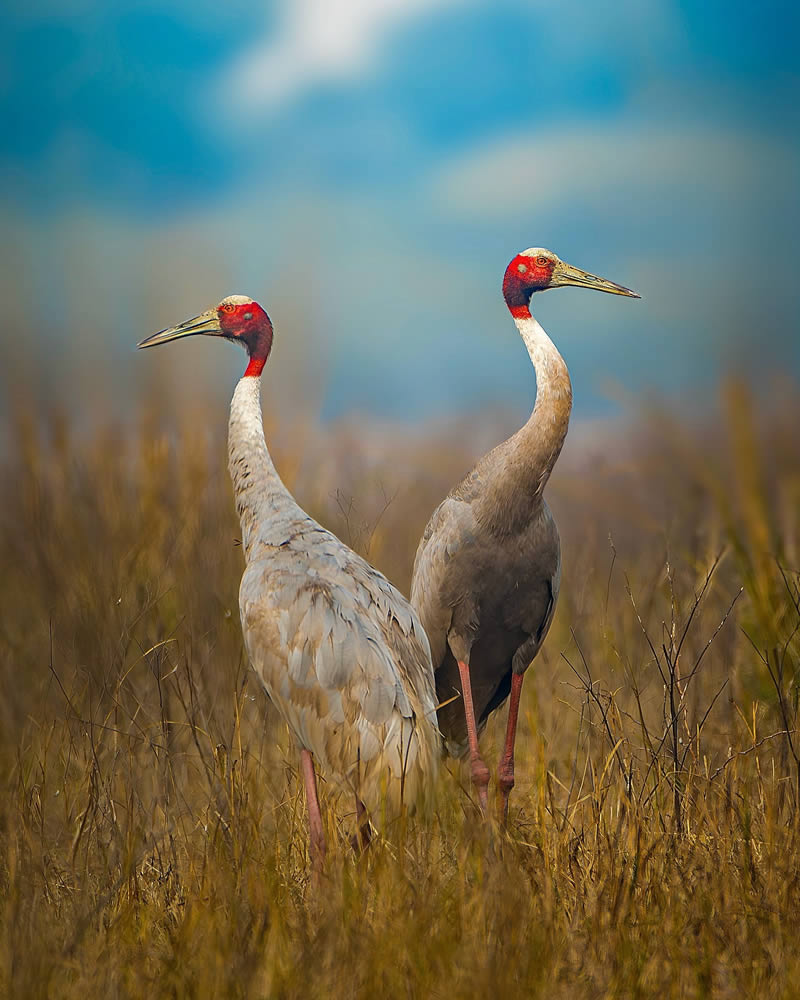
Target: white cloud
524,171
318,40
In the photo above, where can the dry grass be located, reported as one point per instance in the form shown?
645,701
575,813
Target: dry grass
152,835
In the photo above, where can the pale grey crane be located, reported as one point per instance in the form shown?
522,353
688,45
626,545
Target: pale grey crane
340,652
488,567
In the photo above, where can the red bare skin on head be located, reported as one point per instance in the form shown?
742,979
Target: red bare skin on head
249,323
524,276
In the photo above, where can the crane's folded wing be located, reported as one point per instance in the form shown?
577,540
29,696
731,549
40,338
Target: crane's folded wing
346,665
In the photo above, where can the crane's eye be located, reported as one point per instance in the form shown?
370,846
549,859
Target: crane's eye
227,307
542,261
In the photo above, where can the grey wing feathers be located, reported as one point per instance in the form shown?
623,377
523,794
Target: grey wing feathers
346,661
451,529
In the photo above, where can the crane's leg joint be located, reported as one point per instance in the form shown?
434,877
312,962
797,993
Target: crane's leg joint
480,772
505,775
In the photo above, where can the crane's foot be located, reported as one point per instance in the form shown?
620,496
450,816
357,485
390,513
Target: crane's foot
362,838
317,850
505,782
505,772
317,843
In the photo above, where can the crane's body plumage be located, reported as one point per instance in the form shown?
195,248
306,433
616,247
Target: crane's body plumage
340,652
484,610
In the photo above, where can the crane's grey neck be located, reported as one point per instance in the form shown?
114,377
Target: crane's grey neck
262,501
521,466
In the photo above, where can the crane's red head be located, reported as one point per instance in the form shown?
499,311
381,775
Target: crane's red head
242,319
536,269
238,318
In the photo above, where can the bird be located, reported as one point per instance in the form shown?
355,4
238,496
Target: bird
340,652
487,570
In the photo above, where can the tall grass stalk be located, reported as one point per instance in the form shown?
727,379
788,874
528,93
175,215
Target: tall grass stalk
152,825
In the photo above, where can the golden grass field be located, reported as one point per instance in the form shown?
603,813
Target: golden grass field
152,825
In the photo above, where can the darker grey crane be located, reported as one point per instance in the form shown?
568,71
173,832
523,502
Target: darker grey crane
488,567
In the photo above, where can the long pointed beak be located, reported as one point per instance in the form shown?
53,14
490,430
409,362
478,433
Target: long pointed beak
566,274
207,322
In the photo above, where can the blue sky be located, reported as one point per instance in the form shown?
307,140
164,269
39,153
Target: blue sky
366,169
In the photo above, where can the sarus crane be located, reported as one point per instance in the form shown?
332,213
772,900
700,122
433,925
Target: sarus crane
488,567
340,652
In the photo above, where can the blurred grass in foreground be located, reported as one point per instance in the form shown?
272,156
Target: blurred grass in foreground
152,827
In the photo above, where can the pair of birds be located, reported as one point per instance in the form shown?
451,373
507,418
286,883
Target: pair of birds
370,684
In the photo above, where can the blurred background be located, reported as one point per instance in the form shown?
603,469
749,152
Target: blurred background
367,169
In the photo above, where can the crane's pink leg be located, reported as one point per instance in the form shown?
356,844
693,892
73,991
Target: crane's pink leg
480,772
505,773
314,813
